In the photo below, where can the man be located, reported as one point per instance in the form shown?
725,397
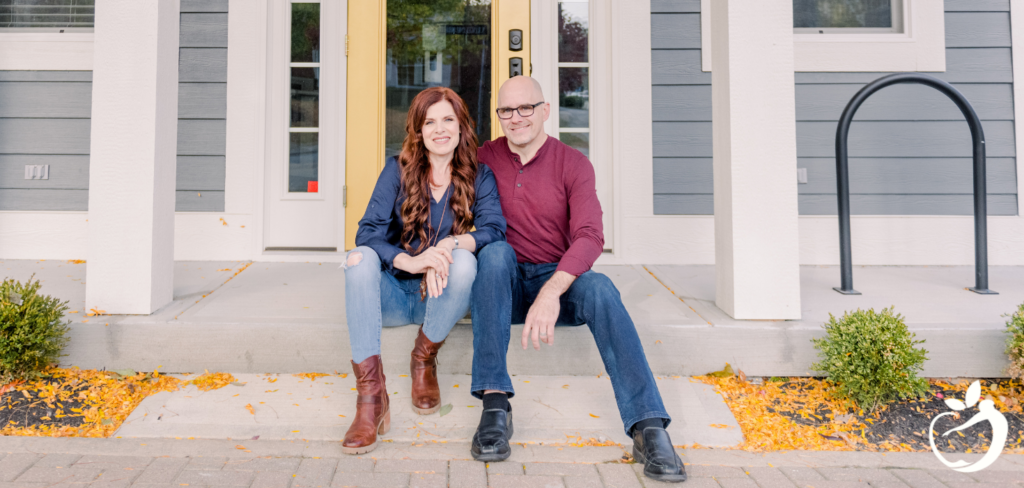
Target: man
542,276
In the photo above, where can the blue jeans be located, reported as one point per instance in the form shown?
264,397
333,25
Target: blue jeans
375,298
502,295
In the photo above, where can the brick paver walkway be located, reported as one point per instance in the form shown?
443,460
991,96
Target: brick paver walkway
108,463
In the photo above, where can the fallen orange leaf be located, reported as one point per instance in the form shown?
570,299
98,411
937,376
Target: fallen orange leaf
248,406
239,447
595,416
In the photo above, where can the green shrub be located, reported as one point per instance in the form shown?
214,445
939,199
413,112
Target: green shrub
1015,343
32,333
870,358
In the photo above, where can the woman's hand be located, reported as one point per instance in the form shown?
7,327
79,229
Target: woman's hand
436,258
435,283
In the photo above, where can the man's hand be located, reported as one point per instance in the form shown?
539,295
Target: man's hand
540,321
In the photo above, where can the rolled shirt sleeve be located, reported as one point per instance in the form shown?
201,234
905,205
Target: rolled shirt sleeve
586,229
487,217
373,227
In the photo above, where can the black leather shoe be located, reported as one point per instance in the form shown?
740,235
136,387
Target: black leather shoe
653,448
490,443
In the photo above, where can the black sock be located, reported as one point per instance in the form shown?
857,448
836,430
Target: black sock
496,400
645,423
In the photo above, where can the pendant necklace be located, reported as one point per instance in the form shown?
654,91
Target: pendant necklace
432,241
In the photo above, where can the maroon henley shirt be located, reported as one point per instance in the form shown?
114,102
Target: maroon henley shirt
550,204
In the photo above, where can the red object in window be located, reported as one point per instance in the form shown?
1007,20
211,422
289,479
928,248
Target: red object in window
311,186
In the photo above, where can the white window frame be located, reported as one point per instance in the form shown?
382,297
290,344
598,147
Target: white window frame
44,51
920,47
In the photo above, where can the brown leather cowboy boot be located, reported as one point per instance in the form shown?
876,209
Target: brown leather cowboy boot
373,414
426,395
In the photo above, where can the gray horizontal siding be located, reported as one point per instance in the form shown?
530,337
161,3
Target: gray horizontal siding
675,31
198,201
44,136
204,30
43,199
202,105
909,146
202,65
204,6
675,6
973,65
703,204
907,204
895,139
52,76
977,5
978,29
66,172
27,99
200,173
867,175
202,100
44,119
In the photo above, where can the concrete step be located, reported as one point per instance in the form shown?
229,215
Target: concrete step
546,409
290,318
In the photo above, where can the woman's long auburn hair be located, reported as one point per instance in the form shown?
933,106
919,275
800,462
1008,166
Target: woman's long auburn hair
416,174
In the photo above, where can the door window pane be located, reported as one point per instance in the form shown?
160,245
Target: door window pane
573,31
843,13
579,141
437,44
573,97
303,158
305,98
34,14
305,32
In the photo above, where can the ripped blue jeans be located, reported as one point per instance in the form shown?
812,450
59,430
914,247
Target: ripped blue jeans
375,299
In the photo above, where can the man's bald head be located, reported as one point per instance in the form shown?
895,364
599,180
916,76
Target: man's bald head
523,93
520,85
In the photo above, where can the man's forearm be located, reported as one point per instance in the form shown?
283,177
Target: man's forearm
556,285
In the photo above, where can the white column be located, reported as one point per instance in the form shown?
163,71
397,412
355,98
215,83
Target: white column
754,124
130,262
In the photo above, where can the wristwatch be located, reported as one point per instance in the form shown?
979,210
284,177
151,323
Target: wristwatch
456,239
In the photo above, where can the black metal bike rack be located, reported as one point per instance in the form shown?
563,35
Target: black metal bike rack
843,176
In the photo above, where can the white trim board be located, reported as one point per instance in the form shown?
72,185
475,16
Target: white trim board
1017,57
921,46
46,51
198,236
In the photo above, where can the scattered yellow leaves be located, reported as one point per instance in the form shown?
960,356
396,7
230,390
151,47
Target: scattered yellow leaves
310,376
108,399
248,406
595,416
76,261
758,410
212,381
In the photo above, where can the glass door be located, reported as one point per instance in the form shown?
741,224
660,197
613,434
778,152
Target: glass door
403,47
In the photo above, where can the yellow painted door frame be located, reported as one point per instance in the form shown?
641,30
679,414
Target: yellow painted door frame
366,48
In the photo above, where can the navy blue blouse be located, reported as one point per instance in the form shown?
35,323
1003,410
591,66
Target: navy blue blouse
381,226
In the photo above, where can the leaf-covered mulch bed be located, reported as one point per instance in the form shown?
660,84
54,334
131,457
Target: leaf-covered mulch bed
801,413
85,403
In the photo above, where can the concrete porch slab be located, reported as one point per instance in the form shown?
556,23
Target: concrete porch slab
547,409
290,318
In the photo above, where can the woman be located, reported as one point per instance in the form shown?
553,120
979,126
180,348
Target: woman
414,262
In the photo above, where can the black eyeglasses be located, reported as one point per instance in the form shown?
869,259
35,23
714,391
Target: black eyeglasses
524,111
